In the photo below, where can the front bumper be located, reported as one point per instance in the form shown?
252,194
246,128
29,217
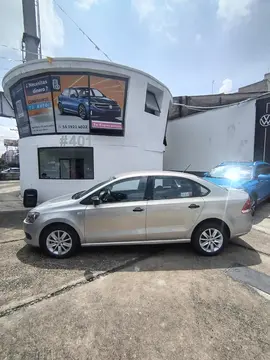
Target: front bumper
32,232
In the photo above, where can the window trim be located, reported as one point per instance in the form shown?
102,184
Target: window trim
151,193
66,147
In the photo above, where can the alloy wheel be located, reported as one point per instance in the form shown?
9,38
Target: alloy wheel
211,240
82,112
59,242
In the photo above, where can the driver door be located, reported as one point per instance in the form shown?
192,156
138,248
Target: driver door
121,215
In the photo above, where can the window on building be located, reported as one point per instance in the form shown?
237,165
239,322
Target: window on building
167,187
66,163
151,104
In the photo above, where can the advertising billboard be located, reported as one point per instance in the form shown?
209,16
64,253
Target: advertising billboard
9,142
39,105
19,106
71,103
107,103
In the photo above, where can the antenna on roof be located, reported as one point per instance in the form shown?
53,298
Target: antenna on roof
187,168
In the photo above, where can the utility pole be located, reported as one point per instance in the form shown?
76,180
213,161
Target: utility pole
31,36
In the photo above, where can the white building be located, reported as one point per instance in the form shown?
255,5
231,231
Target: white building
81,121
239,132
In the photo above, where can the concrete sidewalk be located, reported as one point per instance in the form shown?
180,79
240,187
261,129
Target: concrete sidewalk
10,196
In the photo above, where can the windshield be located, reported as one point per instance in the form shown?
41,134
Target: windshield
82,193
97,93
232,172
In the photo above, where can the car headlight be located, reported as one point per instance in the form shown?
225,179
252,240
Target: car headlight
32,217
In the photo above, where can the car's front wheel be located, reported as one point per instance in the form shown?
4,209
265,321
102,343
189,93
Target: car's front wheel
210,238
82,112
61,109
59,241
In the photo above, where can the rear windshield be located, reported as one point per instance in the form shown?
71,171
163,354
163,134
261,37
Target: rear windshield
232,172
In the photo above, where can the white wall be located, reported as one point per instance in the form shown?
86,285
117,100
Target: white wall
206,139
109,160
140,149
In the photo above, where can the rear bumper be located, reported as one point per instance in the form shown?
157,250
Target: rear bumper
241,225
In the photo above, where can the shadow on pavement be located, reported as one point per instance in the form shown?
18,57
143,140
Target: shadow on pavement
262,212
12,219
170,257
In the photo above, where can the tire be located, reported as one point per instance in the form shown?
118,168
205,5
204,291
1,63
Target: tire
254,203
50,244
61,109
199,238
82,112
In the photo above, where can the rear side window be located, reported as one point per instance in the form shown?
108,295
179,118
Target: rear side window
166,187
262,169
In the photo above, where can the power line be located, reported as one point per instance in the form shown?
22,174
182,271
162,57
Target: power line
203,108
81,30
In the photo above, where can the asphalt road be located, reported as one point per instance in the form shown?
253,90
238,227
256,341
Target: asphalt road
158,302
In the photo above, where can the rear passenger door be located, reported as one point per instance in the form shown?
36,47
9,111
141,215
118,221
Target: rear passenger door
174,206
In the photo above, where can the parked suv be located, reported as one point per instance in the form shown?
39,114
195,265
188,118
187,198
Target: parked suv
75,100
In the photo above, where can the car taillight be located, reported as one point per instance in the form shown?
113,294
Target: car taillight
247,206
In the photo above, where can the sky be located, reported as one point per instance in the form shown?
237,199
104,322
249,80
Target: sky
189,45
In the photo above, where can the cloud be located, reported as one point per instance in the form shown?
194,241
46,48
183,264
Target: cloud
233,11
226,86
52,28
159,15
86,4
144,7
11,19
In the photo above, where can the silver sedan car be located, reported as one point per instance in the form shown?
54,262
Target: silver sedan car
141,208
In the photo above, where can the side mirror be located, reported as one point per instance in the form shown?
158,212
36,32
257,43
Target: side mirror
95,200
264,177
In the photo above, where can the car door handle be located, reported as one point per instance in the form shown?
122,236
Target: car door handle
194,206
138,209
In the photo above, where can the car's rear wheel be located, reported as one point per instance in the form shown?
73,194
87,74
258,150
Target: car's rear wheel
59,241
210,238
61,109
82,112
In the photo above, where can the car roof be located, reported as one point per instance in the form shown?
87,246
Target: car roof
156,173
247,163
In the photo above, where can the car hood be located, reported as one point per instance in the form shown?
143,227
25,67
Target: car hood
105,100
236,184
61,201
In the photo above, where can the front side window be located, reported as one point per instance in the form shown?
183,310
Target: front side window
73,93
66,92
232,172
126,190
66,163
166,187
